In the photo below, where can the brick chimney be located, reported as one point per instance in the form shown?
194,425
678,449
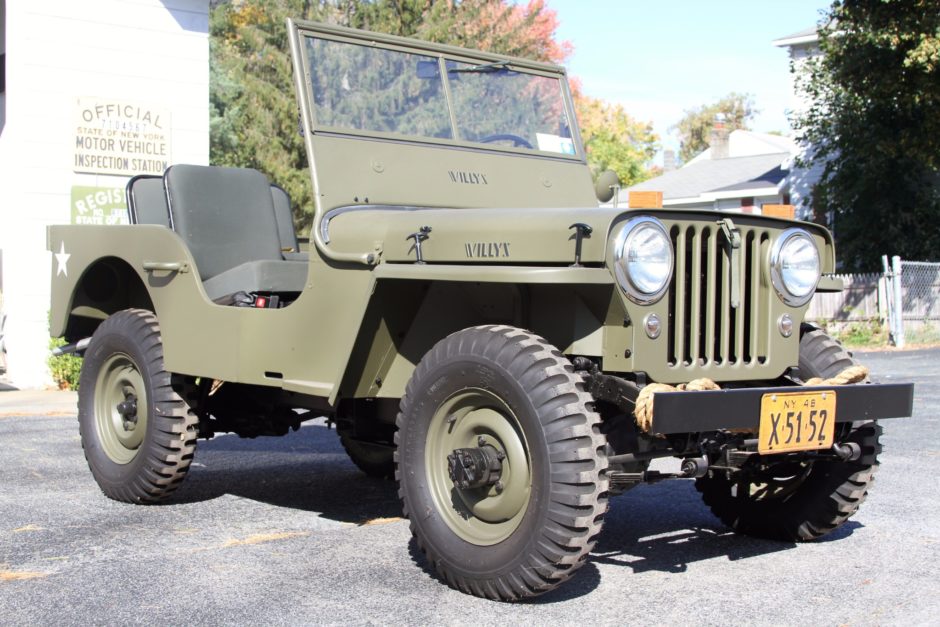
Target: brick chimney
669,160
718,141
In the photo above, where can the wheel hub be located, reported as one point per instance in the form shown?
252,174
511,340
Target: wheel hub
120,408
128,411
479,471
471,468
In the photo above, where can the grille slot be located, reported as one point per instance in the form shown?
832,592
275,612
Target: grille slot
705,330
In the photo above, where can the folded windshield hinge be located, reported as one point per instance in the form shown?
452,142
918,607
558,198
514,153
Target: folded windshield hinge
582,231
419,236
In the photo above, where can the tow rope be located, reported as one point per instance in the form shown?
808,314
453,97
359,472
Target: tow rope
644,402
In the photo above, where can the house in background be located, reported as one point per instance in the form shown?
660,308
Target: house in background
744,170
741,171
801,47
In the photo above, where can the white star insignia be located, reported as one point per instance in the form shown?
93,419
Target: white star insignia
62,258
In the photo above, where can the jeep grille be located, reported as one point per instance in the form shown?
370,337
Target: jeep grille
705,330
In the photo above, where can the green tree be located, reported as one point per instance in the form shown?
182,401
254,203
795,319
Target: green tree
615,141
874,122
696,125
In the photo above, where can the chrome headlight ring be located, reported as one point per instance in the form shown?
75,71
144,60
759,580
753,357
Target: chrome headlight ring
643,259
795,267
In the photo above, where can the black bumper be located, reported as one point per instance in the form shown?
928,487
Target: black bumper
693,412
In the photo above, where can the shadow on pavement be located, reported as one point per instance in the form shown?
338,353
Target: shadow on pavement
663,527
307,470
666,527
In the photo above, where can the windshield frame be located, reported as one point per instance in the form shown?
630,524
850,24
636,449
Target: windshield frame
443,54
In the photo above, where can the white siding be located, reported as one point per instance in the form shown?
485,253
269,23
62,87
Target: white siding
800,181
147,51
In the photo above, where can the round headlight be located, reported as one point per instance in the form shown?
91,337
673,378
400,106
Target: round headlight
643,260
794,267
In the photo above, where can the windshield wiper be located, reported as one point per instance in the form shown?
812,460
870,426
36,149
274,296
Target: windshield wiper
495,66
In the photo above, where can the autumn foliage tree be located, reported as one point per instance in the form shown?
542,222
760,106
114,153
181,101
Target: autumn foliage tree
615,141
253,107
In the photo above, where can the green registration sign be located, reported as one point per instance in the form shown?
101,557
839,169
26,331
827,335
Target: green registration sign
98,205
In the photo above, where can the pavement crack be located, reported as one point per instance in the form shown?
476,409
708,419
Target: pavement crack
262,538
12,575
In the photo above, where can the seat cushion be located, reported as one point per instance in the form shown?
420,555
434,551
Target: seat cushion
284,218
225,216
146,199
258,276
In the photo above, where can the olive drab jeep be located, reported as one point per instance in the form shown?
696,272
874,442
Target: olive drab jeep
471,320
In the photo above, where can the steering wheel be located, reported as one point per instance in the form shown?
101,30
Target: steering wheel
517,141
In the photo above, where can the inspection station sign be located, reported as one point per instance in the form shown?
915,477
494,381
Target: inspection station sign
118,137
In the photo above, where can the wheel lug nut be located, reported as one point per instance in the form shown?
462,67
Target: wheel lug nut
481,440
500,455
498,487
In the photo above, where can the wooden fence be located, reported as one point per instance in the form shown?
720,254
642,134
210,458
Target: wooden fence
862,299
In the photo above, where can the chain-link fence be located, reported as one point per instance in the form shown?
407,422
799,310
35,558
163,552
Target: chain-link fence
902,304
918,318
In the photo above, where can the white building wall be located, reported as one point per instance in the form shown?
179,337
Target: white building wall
800,181
147,51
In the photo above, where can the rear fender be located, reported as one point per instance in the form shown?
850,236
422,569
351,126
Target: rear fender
87,286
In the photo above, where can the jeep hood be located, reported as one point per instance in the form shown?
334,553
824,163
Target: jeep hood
513,236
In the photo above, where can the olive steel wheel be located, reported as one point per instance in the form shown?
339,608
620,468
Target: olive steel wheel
799,501
138,435
500,463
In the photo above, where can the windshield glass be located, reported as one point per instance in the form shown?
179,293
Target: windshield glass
496,104
366,88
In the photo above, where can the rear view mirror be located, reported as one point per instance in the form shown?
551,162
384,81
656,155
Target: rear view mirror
605,186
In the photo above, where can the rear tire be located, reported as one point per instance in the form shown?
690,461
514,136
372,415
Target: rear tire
138,434
375,460
792,501
501,389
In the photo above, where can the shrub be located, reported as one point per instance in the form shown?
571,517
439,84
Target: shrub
863,333
65,369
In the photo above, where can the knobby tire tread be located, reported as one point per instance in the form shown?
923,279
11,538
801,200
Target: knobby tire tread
576,451
832,492
170,445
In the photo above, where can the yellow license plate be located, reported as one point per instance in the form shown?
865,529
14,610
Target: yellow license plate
796,421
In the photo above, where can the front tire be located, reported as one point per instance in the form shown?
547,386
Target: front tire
532,523
138,434
799,501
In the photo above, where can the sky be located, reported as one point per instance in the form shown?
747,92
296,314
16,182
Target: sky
659,58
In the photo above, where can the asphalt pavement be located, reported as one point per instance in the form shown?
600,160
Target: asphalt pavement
286,531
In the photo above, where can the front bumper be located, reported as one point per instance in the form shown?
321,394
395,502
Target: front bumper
695,412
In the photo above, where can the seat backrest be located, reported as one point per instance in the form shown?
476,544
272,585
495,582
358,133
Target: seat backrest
284,218
146,200
225,215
